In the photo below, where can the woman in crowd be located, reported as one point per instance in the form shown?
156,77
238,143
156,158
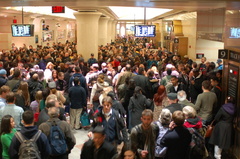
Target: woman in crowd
160,101
138,102
163,123
36,103
97,90
54,75
52,86
222,134
23,96
45,94
7,132
128,153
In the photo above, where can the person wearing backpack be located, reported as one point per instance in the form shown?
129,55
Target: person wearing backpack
29,135
60,136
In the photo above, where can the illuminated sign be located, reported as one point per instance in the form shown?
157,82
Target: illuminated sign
58,9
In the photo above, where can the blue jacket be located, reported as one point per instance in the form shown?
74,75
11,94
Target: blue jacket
78,97
28,133
82,79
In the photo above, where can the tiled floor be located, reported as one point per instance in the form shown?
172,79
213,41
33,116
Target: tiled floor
81,137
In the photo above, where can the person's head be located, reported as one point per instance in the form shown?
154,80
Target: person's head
7,123
203,59
195,72
45,93
206,85
98,136
219,61
214,81
107,104
181,95
189,112
4,90
35,77
172,97
165,117
100,78
128,67
53,112
112,95
169,71
141,71
17,73
51,102
28,118
174,80
52,86
38,96
146,118
60,75
127,152
76,81
178,118
10,97
77,69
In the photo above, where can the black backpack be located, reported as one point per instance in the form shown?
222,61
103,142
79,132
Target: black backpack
197,145
28,148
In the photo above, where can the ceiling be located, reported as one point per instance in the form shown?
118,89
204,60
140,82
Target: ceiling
178,6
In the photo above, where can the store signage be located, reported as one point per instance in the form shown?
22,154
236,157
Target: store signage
234,56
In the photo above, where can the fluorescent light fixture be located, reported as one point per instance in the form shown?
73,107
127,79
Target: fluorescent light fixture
137,13
46,11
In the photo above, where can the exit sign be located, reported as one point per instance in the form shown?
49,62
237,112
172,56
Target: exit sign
58,9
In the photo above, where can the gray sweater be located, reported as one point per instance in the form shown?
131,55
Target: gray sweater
205,103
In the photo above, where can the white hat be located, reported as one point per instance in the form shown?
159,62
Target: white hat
169,66
95,65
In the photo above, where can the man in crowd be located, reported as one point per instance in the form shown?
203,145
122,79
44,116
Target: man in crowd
3,79
177,139
53,113
78,100
4,90
206,102
173,101
176,86
98,147
195,85
143,136
28,131
13,110
182,98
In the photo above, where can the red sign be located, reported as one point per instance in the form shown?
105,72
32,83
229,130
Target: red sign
58,9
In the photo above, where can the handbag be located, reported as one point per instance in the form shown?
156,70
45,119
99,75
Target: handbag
209,129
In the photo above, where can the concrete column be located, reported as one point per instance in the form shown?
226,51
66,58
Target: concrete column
114,30
87,33
103,31
109,32
123,30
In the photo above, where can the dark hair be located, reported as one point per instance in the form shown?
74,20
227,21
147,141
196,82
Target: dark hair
126,147
112,95
6,124
76,81
16,73
137,91
141,71
214,78
77,69
128,67
174,77
28,117
206,85
169,71
10,97
45,93
99,129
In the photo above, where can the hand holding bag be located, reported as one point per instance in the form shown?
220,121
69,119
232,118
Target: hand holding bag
209,129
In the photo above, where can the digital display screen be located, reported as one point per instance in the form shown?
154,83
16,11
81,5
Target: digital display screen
58,9
234,33
22,30
145,31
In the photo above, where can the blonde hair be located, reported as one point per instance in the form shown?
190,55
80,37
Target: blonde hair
189,112
100,78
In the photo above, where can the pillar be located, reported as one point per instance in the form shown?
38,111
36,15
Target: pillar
109,32
103,31
114,30
122,31
87,33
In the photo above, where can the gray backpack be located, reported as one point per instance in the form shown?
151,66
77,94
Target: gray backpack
28,148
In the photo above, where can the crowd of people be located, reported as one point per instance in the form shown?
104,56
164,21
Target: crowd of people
150,99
